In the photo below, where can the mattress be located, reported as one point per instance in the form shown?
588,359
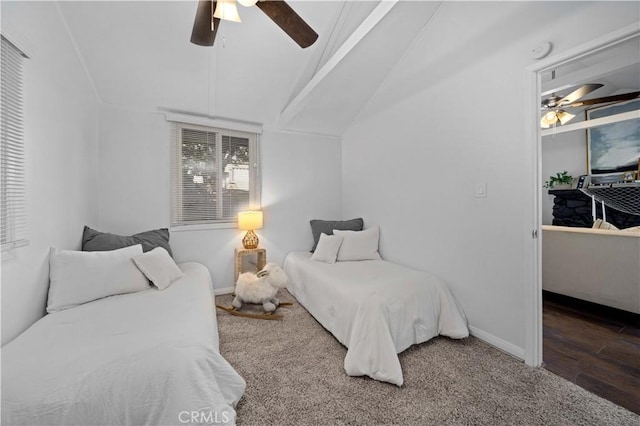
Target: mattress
375,308
147,358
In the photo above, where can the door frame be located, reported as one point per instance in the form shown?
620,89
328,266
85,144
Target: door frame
533,140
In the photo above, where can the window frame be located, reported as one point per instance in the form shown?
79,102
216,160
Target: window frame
176,177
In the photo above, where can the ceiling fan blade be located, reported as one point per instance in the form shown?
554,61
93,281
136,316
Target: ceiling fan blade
202,35
290,22
605,100
579,93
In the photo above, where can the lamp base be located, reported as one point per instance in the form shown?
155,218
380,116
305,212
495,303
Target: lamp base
250,240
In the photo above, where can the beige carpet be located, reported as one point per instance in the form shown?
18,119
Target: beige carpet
295,376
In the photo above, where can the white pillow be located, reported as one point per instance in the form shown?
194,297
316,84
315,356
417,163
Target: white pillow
359,245
79,277
327,248
159,267
607,225
601,224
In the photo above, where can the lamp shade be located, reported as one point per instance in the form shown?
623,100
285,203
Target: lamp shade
564,117
249,221
552,117
227,10
549,119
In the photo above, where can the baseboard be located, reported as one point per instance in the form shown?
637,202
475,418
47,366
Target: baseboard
476,332
497,342
225,290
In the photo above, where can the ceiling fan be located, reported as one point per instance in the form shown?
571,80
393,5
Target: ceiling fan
209,14
553,107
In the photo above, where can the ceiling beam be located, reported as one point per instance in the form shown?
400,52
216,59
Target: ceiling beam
297,103
587,74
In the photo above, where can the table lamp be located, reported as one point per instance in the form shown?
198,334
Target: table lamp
249,221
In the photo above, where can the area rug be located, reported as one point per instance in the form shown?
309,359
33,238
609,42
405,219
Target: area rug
295,376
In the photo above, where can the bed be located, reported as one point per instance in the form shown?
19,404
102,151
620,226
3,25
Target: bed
375,308
146,358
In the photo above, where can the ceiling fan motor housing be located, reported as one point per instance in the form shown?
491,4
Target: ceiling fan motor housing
551,102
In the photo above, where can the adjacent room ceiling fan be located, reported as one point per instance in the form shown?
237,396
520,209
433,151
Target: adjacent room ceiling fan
209,14
553,108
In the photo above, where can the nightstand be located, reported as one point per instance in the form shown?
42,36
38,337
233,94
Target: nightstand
261,255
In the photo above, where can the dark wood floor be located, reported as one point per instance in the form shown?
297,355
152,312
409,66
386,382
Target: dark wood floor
596,347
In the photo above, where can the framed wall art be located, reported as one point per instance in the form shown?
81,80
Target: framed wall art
613,147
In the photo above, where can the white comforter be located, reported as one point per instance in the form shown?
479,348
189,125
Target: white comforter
148,358
375,308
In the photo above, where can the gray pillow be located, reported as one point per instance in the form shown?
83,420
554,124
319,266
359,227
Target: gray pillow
93,240
319,227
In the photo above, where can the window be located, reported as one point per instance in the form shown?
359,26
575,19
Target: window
214,175
13,209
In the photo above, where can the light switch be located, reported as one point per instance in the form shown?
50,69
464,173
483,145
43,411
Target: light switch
481,190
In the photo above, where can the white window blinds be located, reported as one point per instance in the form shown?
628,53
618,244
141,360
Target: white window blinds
13,216
214,174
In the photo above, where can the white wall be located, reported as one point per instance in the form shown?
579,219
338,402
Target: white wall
564,151
60,120
301,177
449,116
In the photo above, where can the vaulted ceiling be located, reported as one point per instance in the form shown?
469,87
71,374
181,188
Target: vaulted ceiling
139,56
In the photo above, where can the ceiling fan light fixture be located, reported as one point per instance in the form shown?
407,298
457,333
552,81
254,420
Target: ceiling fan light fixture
227,11
210,12
248,3
548,120
564,117
552,117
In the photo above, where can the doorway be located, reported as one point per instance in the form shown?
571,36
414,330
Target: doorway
551,315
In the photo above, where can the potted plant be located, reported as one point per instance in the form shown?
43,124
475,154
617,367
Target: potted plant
562,180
